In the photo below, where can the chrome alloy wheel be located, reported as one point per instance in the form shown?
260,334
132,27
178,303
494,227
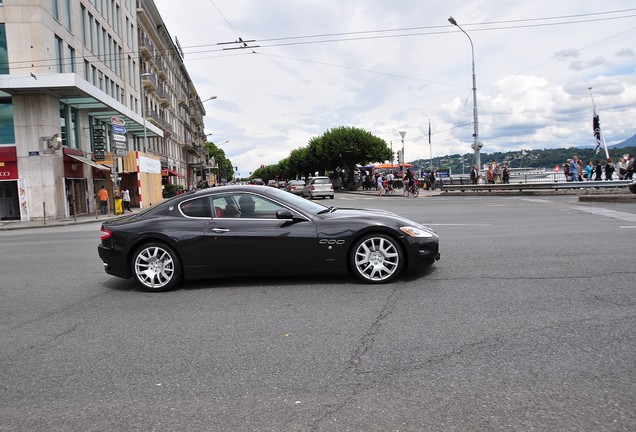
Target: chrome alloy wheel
156,267
377,258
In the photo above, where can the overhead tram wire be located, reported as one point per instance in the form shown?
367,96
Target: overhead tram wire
432,30
31,63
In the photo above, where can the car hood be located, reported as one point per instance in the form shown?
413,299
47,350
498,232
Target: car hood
372,215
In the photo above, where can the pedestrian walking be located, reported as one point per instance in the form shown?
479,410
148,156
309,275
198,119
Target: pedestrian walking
598,170
609,169
102,195
380,185
474,175
574,169
589,170
125,196
629,166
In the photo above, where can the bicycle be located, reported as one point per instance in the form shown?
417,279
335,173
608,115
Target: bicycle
412,190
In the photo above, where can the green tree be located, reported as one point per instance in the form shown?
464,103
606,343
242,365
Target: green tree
224,168
347,147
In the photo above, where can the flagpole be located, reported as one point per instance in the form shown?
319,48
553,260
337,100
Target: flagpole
601,137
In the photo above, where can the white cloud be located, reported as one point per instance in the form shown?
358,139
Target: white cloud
532,81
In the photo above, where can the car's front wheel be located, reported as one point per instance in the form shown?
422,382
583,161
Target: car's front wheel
376,258
156,267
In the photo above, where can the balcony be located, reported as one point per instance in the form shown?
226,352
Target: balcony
160,65
149,82
154,117
164,98
146,49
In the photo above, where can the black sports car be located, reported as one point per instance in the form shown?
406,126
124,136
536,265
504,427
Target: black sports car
259,230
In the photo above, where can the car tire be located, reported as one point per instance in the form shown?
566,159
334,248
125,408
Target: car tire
330,196
156,267
376,258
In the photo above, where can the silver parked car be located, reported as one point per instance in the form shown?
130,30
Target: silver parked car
295,186
318,187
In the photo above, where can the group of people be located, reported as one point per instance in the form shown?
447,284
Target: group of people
385,183
102,197
496,173
574,169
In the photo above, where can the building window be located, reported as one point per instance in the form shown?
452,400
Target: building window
4,56
7,132
59,64
71,58
68,126
91,33
63,122
75,128
56,9
84,32
68,15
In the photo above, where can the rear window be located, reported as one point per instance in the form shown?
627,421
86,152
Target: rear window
322,181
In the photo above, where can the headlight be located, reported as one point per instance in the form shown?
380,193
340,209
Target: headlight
416,232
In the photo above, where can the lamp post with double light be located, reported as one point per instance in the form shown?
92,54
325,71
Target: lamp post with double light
477,145
402,134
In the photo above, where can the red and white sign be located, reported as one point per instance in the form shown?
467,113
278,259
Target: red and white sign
117,121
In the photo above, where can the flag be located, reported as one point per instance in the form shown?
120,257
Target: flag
429,131
596,125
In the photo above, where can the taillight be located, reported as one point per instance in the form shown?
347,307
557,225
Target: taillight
105,233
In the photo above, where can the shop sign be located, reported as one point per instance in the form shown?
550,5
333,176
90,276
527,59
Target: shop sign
117,121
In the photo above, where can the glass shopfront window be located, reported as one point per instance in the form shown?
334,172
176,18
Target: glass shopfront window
7,132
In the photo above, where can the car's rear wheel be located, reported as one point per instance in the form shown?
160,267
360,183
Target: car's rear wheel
156,267
376,258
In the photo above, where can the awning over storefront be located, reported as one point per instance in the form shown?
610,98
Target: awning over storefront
168,172
89,162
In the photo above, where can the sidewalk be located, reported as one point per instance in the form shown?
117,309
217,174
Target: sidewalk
6,225
398,193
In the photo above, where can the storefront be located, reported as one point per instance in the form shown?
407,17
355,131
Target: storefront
9,202
78,200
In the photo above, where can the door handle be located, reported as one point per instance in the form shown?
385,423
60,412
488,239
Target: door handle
220,230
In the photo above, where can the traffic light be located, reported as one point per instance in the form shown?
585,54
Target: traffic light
400,157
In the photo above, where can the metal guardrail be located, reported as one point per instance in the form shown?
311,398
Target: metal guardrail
536,186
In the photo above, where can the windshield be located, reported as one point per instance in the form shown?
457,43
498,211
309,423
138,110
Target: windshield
302,204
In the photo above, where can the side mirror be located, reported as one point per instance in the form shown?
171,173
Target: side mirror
284,214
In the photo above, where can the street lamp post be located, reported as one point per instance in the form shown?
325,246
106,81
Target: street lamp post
477,145
402,134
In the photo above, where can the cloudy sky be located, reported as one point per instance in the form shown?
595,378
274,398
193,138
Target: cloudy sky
390,66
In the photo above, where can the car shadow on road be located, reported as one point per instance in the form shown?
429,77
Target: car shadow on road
127,285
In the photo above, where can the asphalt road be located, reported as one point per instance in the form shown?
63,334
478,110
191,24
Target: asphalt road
527,323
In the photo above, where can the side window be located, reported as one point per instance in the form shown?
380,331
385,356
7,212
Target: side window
244,205
225,207
255,206
198,207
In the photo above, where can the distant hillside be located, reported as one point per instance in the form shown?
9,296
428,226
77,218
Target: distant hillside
546,158
629,142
